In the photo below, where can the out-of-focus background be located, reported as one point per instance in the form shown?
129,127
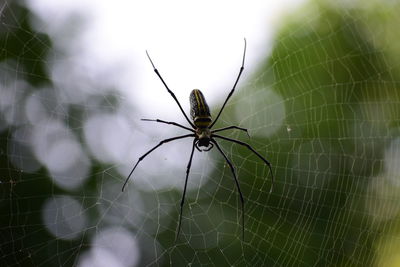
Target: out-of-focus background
319,94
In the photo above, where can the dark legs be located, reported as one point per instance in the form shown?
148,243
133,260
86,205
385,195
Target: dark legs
231,127
151,150
236,181
170,92
184,189
234,86
203,150
170,122
251,149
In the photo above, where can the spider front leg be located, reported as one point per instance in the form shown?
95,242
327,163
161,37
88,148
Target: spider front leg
234,86
184,189
236,181
169,91
151,150
251,149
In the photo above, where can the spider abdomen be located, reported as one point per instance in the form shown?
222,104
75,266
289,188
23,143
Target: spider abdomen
199,109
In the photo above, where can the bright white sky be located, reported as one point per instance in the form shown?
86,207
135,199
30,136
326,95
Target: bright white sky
194,44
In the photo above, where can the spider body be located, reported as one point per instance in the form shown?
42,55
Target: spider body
203,135
199,109
201,116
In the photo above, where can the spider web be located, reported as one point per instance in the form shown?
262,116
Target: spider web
323,108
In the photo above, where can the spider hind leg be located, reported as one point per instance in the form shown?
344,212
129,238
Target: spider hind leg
236,181
184,189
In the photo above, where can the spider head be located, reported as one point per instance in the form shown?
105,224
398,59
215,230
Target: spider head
203,135
203,142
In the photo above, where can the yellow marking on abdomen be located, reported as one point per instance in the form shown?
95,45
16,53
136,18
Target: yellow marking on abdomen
200,102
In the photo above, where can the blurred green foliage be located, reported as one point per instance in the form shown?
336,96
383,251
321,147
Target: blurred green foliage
330,65
24,239
20,43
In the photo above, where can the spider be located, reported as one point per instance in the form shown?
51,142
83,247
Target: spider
204,135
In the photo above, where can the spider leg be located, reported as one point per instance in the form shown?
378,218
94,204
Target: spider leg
209,148
184,189
234,86
151,150
203,150
231,127
236,181
170,122
196,145
251,149
169,91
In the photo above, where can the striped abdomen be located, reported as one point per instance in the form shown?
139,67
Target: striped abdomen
199,109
